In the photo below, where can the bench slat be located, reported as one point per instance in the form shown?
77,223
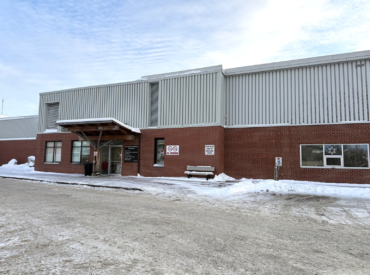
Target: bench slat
201,168
198,173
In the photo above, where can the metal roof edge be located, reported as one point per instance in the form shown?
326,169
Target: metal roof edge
182,73
93,86
312,61
18,117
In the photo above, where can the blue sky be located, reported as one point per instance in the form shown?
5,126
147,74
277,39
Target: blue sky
53,45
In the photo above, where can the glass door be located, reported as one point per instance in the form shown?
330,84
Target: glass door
111,159
115,164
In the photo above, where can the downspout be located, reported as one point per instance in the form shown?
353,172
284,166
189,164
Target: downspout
138,165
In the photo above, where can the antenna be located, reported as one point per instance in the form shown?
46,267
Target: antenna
2,107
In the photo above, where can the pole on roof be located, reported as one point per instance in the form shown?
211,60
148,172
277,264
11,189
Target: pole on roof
2,107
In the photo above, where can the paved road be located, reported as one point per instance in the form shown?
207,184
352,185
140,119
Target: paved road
56,229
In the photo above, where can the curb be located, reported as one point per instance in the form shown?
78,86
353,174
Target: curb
78,184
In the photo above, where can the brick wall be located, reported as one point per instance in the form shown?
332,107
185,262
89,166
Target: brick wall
16,149
192,143
65,165
251,152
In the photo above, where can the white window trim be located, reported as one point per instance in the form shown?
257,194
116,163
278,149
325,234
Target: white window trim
333,156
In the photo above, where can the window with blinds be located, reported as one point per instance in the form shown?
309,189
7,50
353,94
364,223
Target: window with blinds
154,91
53,114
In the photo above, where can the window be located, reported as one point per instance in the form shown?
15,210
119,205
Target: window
335,155
80,151
159,152
53,152
154,90
53,114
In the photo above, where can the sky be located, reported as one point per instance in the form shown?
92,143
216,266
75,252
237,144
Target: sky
60,44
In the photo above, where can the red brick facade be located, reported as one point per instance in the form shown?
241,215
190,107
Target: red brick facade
239,152
17,149
65,165
251,152
192,143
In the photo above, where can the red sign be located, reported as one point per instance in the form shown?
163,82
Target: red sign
172,150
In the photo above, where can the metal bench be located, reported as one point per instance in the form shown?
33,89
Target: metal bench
200,171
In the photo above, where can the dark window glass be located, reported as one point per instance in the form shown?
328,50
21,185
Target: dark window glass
333,161
312,155
80,151
159,151
355,156
53,152
333,150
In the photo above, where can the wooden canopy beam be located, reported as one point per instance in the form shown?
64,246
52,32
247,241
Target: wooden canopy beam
97,129
122,137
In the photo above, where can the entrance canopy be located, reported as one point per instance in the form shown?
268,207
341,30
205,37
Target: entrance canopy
95,130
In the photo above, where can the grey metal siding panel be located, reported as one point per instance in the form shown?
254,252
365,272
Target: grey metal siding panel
327,93
125,102
183,101
188,101
22,127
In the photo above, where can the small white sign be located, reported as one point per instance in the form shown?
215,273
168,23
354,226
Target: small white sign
210,149
172,150
95,153
278,161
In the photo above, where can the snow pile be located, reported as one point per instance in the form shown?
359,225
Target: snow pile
12,166
223,177
289,187
31,161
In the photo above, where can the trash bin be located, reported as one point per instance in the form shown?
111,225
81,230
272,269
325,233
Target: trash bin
88,168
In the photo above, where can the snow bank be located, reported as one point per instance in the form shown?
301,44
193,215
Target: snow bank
222,177
289,187
12,166
31,161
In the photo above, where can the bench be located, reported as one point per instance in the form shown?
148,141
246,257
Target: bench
199,171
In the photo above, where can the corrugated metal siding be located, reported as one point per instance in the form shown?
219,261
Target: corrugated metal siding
127,102
189,101
22,127
332,93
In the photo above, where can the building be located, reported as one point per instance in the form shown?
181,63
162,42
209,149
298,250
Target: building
314,113
17,138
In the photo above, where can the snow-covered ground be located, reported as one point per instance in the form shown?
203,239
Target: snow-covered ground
221,187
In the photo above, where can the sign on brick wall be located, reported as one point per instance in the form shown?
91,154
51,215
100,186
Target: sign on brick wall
210,149
172,150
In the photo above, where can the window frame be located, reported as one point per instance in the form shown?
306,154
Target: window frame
79,163
155,152
46,148
333,156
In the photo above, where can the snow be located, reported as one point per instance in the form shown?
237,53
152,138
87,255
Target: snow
12,166
51,131
221,187
29,138
223,177
136,130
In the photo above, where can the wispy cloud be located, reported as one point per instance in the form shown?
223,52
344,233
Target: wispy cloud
51,45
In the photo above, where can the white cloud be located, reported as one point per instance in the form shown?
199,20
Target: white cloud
50,45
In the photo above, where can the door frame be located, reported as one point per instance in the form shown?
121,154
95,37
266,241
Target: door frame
109,157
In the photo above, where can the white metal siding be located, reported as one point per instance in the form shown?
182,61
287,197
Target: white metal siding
128,103
188,101
19,127
332,93
183,101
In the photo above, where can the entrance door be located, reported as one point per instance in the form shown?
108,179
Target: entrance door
111,159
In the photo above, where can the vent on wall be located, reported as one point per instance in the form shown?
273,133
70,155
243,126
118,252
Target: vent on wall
154,91
53,114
